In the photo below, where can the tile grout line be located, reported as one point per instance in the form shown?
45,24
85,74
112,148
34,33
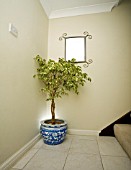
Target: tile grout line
67,155
100,153
31,157
116,156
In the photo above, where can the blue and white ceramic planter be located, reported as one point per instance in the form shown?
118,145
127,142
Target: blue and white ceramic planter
53,134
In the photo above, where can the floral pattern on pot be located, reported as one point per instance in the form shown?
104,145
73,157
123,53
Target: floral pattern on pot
53,134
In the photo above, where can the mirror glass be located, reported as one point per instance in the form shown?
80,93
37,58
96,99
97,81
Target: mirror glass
75,47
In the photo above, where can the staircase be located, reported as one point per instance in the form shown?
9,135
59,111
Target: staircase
121,129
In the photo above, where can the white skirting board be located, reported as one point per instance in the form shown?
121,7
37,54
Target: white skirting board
9,162
83,132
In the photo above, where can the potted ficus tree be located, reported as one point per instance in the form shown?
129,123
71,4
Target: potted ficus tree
58,79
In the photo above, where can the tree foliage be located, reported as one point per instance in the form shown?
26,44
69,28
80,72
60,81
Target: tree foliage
59,77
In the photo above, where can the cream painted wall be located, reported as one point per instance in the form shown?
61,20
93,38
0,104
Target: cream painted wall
21,104
108,96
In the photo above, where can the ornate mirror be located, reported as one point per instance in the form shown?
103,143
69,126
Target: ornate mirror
75,47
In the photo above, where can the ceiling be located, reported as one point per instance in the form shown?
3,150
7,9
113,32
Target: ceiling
65,8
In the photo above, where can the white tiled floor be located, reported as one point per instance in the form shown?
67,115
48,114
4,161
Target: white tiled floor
76,153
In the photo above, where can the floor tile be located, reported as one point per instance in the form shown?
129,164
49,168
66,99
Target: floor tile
62,147
76,153
39,144
110,146
89,137
84,146
48,160
116,163
78,161
25,159
34,168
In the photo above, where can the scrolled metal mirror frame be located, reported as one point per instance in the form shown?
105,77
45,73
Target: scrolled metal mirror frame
86,34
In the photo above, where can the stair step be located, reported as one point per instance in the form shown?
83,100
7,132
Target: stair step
123,135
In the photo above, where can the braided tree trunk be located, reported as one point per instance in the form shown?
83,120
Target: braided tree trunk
53,111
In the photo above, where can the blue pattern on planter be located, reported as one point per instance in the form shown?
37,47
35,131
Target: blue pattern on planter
53,134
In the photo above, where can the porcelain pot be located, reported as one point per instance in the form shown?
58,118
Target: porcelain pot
53,134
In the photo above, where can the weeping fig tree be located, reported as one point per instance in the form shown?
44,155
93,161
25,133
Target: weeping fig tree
59,78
